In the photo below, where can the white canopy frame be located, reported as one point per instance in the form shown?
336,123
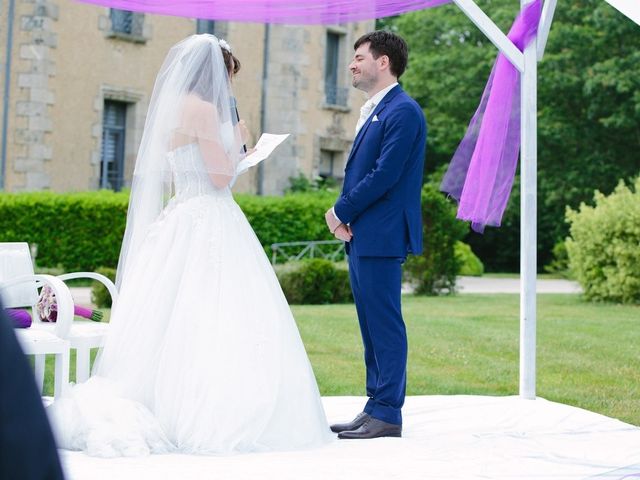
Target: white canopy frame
526,63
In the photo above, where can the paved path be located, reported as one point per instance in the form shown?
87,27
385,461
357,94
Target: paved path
81,295
512,285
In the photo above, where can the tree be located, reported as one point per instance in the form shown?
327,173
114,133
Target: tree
588,100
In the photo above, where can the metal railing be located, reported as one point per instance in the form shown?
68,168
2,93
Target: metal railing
292,251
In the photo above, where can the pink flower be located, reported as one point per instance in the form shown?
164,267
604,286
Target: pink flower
47,308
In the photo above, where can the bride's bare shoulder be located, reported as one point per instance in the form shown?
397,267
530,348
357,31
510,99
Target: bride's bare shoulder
195,106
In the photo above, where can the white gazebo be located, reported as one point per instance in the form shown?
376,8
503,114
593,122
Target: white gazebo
449,437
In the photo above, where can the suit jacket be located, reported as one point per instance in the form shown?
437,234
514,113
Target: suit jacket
381,194
27,447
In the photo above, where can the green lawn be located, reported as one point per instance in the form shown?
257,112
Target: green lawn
588,354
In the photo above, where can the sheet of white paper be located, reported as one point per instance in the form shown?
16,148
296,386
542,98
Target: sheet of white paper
265,146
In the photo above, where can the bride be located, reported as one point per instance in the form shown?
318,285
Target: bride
203,354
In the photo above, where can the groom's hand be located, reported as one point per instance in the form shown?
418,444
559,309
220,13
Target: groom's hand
332,222
343,232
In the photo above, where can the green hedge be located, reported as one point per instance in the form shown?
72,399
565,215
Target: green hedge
290,218
604,248
83,231
76,231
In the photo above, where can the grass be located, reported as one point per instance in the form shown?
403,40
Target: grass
588,354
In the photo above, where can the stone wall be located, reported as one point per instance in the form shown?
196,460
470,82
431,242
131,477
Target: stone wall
67,61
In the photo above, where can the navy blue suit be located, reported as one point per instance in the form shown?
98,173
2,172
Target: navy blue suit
380,200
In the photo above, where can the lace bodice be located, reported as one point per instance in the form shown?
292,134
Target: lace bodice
190,179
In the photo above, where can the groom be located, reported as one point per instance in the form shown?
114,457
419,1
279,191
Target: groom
378,215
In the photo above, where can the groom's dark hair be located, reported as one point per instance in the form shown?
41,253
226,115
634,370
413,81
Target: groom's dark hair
383,42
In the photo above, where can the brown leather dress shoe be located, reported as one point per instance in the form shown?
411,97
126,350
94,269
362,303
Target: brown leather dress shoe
353,425
372,428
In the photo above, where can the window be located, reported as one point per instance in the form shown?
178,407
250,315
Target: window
327,160
205,26
126,23
113,136
335,95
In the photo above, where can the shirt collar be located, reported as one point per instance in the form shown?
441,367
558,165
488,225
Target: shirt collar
377,98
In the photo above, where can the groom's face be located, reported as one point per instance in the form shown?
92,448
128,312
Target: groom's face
364,68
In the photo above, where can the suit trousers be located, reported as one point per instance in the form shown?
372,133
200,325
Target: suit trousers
376,283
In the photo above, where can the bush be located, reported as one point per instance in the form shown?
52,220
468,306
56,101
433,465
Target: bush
99,294
560,263
435,270
469,264
302,184
83,231
316,281
604,247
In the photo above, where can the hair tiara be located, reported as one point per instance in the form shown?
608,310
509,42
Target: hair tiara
224,45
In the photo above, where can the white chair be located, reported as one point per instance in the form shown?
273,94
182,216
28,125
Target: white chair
19,288
82,335
86,334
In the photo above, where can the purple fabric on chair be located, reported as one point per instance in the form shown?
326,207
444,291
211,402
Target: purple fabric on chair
19,318
481,173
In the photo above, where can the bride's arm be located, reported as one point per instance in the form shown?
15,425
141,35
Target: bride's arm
213,152
219,165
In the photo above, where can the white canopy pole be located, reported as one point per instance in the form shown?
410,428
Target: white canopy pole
545,25
528,214
527,65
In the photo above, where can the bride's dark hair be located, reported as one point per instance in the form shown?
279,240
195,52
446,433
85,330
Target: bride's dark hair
202,78
231,62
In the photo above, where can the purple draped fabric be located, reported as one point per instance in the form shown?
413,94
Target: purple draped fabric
481,173
274,11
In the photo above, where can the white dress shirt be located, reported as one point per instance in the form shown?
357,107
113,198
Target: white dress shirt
370,106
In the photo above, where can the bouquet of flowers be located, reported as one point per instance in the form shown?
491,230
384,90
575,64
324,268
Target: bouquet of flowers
47,308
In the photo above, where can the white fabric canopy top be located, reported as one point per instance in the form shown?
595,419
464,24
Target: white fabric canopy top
631,8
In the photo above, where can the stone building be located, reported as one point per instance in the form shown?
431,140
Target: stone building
76,81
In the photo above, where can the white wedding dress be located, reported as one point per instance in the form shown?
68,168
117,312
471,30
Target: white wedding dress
203,355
